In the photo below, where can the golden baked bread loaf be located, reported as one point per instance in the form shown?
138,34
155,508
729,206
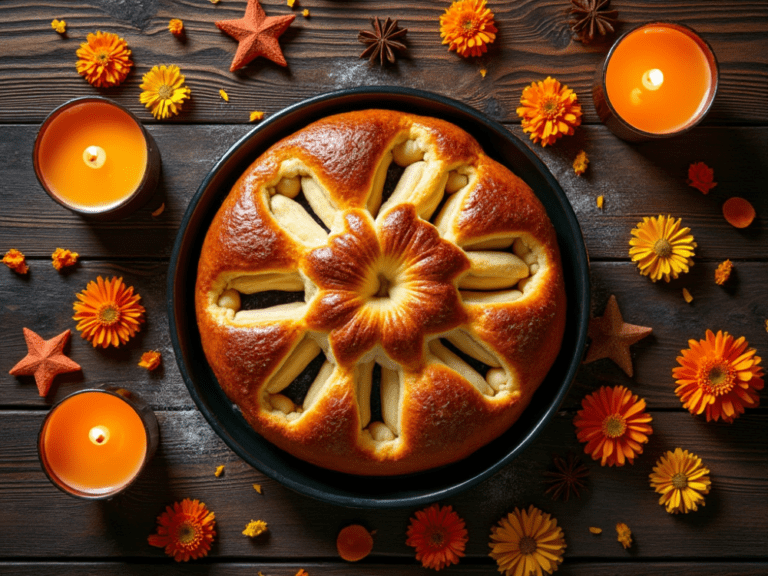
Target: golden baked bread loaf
450,288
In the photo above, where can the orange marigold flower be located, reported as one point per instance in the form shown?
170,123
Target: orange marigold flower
527,542
176,27
681,479
59,26
104,59
723,272
108,313
185,530
354,543
16,261
150,360
467,27
718,376
702,177
438,535
62,258
614,425
624,534
255,528
580,163
738,212
549,111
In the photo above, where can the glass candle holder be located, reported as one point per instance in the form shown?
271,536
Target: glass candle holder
95,158
658,80
94,443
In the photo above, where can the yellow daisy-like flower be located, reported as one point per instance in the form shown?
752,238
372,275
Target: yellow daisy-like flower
467,27
549,111
59,26
682,480
176,27
108,313
164,91
661,248
104,60
527,542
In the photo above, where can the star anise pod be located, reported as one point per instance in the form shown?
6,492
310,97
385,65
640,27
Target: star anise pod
383,41
592,17
566,478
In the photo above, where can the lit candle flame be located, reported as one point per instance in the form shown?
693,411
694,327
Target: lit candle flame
94,156
99,435
653,79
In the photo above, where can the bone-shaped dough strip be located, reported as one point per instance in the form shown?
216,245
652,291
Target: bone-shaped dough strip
493,271
314,392
319,200
291,311
252,283
292,216
490,244
390,399
409,181
469,345
457,364
364,385
374,200
297,360
500,297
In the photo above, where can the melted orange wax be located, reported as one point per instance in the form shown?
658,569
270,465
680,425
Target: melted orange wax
68,176
89,461
676,85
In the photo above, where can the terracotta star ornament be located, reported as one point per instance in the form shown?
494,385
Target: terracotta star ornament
44,360
611,337
257,34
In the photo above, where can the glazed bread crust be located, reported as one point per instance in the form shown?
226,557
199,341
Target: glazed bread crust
452,285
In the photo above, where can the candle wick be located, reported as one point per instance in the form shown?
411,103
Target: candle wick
94,157
99,435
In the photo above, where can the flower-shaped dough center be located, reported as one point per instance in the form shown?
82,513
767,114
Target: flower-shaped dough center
384,286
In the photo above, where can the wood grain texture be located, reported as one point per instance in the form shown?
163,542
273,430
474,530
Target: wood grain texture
37,69
369,568
635,180
300,528
740,307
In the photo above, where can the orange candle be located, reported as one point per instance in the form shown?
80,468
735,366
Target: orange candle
94,443
94,157
658,80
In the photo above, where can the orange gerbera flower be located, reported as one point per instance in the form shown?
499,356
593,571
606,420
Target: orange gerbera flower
185,530
614,424
108,313
701,177
549,111
718,376
438,535
467,26
104,59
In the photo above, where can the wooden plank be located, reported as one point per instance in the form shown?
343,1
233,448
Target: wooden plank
731,525
371,568
37,69
741,307
636,181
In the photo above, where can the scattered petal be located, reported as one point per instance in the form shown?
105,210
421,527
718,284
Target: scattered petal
254,528
595,530
219,470
723,272
59,26
738,212
580,163
62,258
483,72
354,543
291,3
600,201
305,13
150,360
159,211
257,487
701,177
176,27
624,535
224,95
16,261
256,115
687,296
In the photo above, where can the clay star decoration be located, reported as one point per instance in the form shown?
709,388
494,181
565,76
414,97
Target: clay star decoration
44,360
612,337
257,35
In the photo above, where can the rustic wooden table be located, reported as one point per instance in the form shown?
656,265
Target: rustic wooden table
44,531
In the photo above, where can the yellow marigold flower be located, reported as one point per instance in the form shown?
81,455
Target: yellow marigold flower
681,479
150,360
185,530
108,313
580,163
687,296
164,91
62,258
595,530
104,60
224,95
254,528
661,248
549,111
467,27
723,272
624,534
59,26
176,27
16,261
219,470
256,115
527,542
718,376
